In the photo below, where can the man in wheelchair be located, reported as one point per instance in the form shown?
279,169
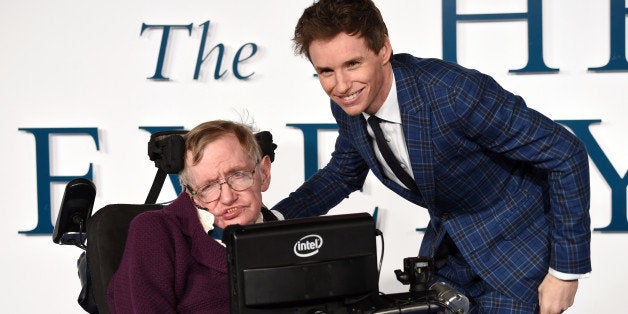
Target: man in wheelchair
174,257
153,258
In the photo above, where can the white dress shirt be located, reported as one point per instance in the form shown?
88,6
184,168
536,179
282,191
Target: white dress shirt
393,133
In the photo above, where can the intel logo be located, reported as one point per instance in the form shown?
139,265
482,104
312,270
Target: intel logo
308,245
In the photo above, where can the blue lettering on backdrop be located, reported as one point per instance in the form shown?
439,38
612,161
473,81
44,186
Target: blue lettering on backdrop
163,46
237,60
450,19
310,144
617,184
619,222
534,17
220,48
617,61
44,177
201,49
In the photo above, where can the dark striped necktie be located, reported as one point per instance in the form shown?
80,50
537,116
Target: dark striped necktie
389,157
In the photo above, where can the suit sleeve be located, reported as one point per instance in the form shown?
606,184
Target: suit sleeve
502,123
344,174
144,282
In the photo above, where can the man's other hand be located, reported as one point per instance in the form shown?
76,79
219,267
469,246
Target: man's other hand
556,295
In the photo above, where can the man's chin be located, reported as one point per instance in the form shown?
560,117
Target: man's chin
352,110
239,221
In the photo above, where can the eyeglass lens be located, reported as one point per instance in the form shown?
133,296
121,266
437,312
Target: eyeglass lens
238,181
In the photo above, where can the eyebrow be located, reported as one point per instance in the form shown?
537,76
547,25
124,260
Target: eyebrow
354,60
344,64
322,69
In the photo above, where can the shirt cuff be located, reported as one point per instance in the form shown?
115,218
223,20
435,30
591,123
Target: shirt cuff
565,276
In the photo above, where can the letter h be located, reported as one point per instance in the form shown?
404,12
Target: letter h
534,16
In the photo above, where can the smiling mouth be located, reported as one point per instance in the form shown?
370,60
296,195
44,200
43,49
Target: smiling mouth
351,96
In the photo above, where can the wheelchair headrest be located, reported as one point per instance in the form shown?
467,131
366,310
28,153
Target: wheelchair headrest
167,149
265,141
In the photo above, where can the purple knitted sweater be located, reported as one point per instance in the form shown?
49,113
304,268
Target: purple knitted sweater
170,265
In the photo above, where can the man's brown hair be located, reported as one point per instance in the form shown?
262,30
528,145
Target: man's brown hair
197,139
328,18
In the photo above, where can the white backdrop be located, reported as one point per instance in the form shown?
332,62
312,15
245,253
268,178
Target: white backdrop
71,63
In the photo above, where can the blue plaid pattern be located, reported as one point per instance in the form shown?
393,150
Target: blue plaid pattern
483,298
509,186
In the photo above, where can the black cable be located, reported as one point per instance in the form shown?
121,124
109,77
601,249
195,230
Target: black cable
381,258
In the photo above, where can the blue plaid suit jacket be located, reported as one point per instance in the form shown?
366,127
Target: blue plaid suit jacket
509,185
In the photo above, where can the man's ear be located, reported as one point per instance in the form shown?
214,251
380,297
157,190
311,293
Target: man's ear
386,51
264,167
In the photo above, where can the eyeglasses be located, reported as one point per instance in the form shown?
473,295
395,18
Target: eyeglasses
238,181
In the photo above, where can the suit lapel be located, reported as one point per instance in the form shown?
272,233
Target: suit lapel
208,251
204,249
415,120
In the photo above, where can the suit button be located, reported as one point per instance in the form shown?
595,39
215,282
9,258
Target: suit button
445,216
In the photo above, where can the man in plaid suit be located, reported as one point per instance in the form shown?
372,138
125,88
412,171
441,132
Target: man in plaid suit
507,189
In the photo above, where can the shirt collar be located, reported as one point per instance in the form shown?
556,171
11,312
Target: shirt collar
389,111
206,218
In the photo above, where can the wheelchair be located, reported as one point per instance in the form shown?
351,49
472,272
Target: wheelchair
102,236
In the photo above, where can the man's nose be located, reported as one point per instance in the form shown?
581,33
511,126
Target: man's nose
227,194
343,83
